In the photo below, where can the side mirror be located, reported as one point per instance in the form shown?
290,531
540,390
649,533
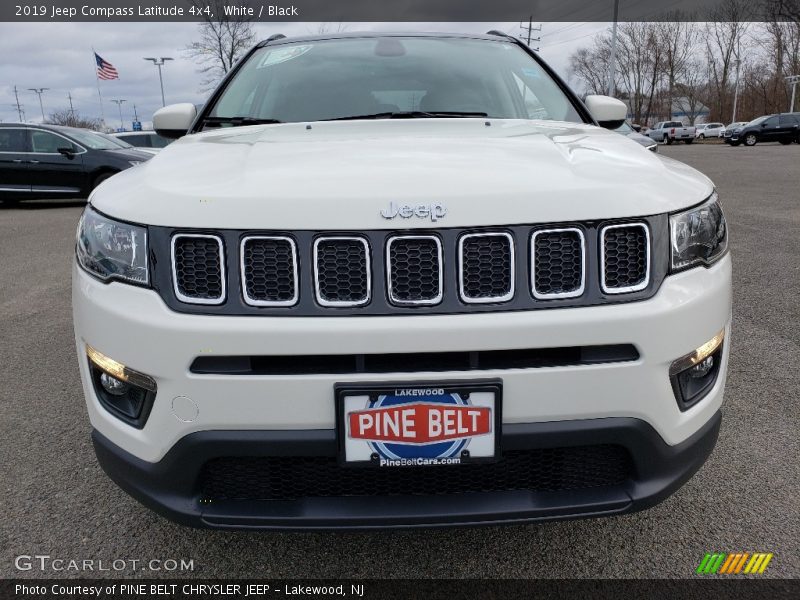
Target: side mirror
607,111
68,152
173,121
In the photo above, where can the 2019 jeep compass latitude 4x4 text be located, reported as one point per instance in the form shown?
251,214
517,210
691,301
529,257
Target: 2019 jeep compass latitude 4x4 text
401,280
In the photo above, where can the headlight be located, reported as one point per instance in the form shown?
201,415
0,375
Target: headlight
112,250
698,236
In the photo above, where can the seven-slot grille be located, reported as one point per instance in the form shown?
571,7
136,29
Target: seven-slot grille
414,269
625,258
342,271
198,268
447,268
557,256
486,262
269,267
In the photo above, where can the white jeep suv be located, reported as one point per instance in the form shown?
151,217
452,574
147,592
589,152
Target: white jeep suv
401,280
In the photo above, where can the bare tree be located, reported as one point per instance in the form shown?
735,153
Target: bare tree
690,91
677,37
640,59
72,118
665,65
326,27
725,43
223,39
590,66
783,10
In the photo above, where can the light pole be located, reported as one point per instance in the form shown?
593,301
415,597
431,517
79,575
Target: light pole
119,105
39,92
794,80
611,65
159,62
736,92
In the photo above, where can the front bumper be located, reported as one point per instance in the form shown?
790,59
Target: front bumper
197,417
171,486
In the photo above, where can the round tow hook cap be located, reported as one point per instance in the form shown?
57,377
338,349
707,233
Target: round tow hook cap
184,409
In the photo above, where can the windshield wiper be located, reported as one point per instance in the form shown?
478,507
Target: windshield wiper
412,114
237,121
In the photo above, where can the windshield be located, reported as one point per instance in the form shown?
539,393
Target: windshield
92,140
758,120
115,140
334,79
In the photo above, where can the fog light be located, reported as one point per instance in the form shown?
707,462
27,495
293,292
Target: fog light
112,385
120,371
700,370
125,393
694,374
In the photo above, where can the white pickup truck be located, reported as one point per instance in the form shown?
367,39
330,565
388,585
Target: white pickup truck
670,131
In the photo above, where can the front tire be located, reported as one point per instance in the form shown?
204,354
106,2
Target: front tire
689,141
702,136
750,139
101,178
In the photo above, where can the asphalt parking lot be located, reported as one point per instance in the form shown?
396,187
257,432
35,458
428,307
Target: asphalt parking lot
56,501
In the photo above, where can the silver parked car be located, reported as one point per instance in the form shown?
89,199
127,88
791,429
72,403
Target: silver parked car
709,130
628,131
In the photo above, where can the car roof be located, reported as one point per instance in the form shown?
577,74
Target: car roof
58,128
489,37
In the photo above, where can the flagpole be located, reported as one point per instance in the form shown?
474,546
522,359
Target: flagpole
97,79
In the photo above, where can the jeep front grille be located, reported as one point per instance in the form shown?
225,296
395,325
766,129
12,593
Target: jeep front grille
269,268
198,268
426,271
557,256
486,264
625,258
414,269
342,271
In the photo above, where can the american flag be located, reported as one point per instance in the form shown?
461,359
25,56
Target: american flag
105,70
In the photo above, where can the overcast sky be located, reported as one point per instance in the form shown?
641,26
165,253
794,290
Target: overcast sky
59,56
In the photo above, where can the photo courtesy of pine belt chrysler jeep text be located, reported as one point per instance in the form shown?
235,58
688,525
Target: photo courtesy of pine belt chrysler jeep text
401,280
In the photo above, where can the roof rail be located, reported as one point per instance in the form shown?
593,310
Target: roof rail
275,36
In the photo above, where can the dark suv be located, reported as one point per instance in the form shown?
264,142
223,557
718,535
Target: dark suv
783,128
49,161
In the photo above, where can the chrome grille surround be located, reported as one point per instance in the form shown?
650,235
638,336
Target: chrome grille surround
320,297
569,294
390,288
243,271
174,266
604,264
461,269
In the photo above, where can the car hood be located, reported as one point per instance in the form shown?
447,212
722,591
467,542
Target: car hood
340,175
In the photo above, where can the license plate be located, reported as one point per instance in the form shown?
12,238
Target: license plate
418,424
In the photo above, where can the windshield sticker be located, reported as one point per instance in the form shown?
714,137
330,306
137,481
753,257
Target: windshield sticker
280,55
532,73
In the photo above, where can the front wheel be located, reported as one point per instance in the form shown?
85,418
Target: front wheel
702,136
689,141
750,139
101,178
